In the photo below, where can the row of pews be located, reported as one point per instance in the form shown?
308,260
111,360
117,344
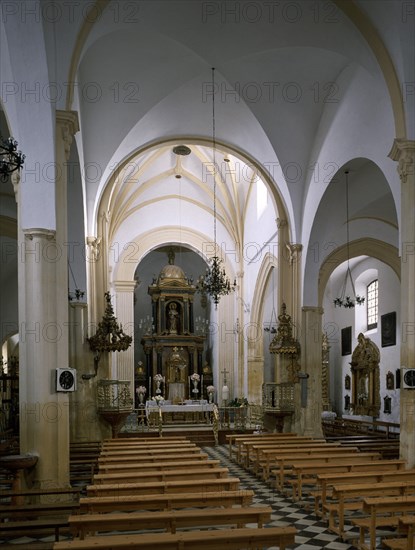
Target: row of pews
350,487
166,493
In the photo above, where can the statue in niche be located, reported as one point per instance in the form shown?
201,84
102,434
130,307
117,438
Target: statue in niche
365,377
390,381
173,318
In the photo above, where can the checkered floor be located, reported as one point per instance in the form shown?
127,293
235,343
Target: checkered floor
312,533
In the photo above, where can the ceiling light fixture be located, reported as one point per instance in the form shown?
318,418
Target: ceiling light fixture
215,283
348,300
10,158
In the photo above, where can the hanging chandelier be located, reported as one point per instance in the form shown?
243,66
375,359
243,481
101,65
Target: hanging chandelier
10,158
215,282
346,299
109,335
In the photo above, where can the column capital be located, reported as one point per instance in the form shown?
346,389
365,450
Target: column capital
15,179
40,233
124,286
313,309
68,123
403,151
294,250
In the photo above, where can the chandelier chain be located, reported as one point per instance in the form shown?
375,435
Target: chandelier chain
214,155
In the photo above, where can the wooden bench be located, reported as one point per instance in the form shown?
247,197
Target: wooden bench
142,451
350,497
28,527
382,512
271,457
170,520
195,454
179,464
165,501
233,439
306,472
244,446
162,475
164,487
406,524
231,539
251,456
297,465
134,442
390,472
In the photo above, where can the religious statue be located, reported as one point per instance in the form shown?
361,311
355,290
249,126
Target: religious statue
173,318
365,376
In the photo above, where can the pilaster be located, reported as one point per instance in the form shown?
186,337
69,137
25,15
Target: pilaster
124,311
311,342
403,151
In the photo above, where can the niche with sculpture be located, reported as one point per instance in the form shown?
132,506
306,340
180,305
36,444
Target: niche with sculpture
365,378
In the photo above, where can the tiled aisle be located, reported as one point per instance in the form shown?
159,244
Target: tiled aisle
312,533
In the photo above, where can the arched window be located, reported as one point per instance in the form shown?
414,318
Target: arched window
372,304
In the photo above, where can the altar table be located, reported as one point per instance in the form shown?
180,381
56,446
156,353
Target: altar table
190,412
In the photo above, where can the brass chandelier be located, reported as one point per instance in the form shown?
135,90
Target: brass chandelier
348,300
10,158
215,282
109,336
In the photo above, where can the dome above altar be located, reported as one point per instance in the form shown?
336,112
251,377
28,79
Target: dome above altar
171,274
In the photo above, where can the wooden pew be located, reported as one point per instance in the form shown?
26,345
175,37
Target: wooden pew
350,497
269,458
153,465
134,440
390,471
234,438
148,456
406,524
146,450
170,520
165,501
157,454
231,539
307,471
162,475
244,445
164,487
251,451
382,512
125,443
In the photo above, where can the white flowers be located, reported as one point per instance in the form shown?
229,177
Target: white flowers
210,389
158,399
195,376
158,377
141,389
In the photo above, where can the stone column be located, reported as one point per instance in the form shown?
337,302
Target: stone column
84,420
43,314
124,311
311,340
44,413
403,151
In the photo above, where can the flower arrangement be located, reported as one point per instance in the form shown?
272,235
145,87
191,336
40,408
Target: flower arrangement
210,389
158,399
195,376
158,377
141,389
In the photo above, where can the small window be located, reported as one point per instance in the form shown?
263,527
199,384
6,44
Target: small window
372,304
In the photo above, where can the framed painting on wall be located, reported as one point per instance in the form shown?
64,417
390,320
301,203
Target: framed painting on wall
388,329
346,341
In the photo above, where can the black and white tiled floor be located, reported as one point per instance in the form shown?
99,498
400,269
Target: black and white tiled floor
312,533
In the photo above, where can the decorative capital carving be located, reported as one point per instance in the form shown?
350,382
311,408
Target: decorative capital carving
281,222
403,151
39,233
294,250
15,179
68,123
94,245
